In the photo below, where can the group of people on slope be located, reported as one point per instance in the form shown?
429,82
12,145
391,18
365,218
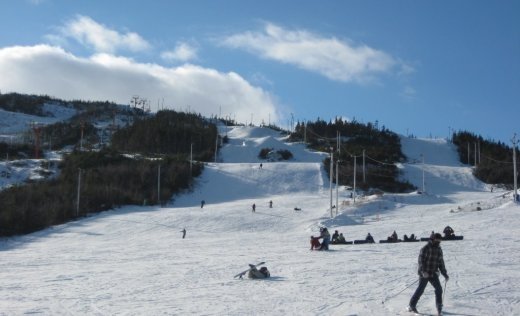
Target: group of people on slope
325,236
338,238
395,238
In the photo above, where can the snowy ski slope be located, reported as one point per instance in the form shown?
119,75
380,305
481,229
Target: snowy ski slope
133,261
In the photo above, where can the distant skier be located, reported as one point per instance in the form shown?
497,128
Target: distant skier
271,204
253,207
202,203
430,262
183,231
261,165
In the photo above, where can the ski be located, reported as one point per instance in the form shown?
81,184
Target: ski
241,274
422,314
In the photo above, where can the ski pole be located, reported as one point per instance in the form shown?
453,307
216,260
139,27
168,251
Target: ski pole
389,297
445,286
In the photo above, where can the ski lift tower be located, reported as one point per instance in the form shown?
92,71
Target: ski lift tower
36,128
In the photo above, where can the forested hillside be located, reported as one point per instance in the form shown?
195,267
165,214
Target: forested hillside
145,159
379,148
493,160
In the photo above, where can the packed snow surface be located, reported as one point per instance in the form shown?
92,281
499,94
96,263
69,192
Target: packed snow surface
133,261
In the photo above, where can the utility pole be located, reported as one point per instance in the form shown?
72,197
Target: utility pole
337,185
354,195
305,134
81,139
330,176
475,154
159,185
479,152
216,147
423,186
78,193
337,141
191,160
364,177
515,175
468,156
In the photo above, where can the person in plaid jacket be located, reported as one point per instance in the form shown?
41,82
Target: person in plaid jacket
430,262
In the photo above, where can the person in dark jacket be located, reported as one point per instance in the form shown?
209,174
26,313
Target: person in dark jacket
430,262
335,237
448,232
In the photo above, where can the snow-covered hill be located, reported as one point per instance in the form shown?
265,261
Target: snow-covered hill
133,261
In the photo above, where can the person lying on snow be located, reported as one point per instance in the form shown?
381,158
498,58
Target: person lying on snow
315,243
254,273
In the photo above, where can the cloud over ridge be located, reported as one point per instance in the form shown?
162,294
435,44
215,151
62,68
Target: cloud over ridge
333,58
50,70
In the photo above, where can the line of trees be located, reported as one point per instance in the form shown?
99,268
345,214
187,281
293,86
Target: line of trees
493,160
382,150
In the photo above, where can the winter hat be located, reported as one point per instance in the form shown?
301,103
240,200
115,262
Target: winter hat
436,236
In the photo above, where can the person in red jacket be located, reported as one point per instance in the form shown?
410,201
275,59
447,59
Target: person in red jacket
315,243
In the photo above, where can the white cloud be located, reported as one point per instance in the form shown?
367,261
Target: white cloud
49,70
333,58
99,37
183,52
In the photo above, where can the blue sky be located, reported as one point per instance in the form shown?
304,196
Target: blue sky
417,67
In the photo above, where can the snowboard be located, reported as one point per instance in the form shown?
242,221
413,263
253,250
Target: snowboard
241,274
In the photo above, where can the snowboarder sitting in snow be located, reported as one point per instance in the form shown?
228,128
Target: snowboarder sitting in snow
326,238
341,239
370,239
254,273
448,232
315,243
335,237
406,238
393,237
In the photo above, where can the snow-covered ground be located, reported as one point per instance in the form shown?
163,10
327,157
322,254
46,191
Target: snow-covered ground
133,261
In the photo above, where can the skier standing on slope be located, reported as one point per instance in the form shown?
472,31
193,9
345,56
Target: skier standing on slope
430,262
